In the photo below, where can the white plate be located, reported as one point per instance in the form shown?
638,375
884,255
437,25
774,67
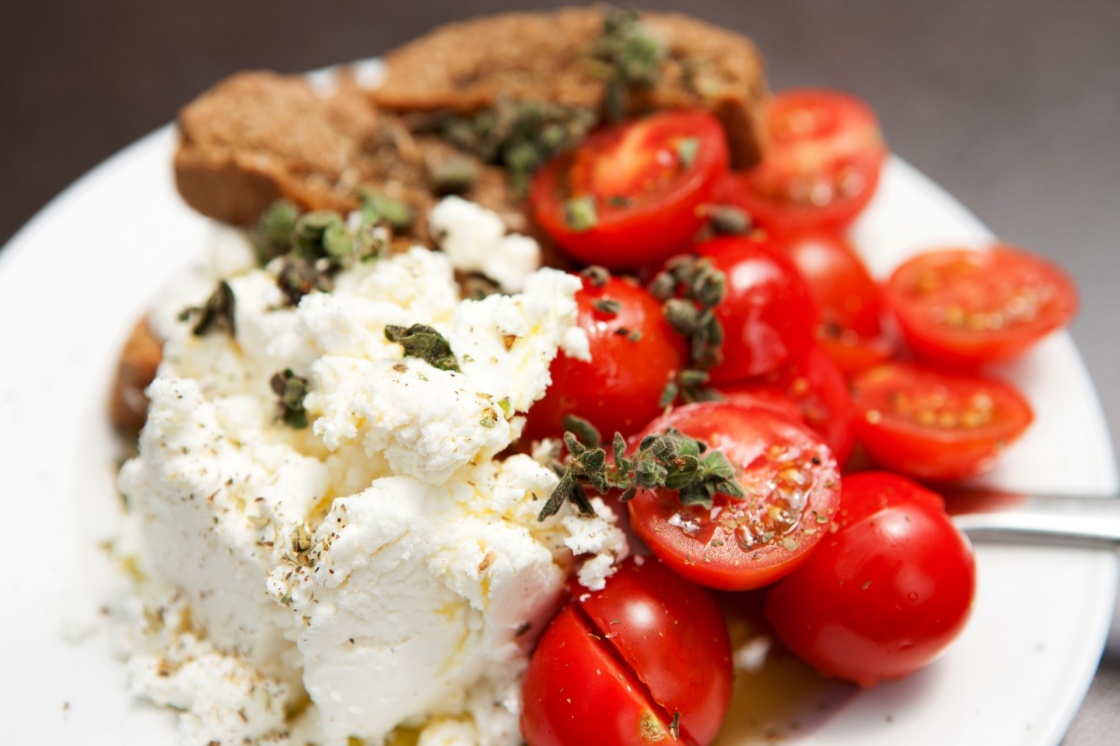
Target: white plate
76,277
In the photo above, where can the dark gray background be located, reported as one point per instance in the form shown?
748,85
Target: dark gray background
1012,105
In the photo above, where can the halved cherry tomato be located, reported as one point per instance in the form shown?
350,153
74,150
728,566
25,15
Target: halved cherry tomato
934,425
853,354
645,660
792,485
768,314
630,195
886,593
822,165
965,307
810,388
634,354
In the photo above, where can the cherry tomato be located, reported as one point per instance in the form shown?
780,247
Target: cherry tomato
634,354
645,660
792,485
934,425
768,314
822,166
963,307
810,388
886,593
853,354
630,195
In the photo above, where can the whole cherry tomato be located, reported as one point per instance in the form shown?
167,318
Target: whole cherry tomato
964,307
634,354
792,489
935,425
822,166
645,660
810,388
629,196
884,594
768,314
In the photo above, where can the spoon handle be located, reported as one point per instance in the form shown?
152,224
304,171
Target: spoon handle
1066,521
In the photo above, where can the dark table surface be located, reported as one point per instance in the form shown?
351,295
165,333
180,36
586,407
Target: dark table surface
1012,105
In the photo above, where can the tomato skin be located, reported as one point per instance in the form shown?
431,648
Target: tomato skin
934,425
636,161
811,388
822,167
611,391
853,355
758,442
884,595
768,314
965,308
615,665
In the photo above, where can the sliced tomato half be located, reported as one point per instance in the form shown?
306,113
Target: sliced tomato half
630,195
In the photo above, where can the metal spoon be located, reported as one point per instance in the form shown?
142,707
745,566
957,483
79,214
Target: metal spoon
1038,519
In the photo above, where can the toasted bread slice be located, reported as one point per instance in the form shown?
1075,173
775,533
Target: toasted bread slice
136,368
467,66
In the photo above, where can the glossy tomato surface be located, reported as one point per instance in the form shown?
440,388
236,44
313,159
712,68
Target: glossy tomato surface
634,354
935,425
768,314
630,195
792,490
822,165
966,307
886,593
644,660
811,388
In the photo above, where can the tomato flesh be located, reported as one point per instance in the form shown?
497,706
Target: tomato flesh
936,425
630,664
792,485
642,183
885,594
768,314
823,164
964,307
612,391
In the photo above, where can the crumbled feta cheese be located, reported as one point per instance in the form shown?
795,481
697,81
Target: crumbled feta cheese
475,239
380,560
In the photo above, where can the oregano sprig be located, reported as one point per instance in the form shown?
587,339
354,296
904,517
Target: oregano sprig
424,342
670,460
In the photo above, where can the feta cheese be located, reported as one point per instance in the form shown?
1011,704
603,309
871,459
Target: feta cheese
382,561
475,239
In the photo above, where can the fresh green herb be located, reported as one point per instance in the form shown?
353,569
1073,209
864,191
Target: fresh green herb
630,57
273,234
596,276
580,213
691,288
687,150
291,390
217,314
728,220
424,342
455,175
607,306
300,275
670,460
378,208
520,135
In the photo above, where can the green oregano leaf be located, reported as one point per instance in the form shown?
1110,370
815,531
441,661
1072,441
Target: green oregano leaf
291,390
217,314
424,342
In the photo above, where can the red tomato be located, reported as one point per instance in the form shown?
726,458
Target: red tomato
849,298
812,389
822,165
852,354
792,485
634,354
630,195
620,665
963,307
768,315
934,425
884,595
